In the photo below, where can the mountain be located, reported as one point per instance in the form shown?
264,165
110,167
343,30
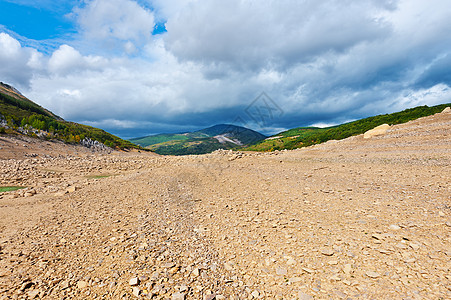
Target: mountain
307,136
20,115
222,136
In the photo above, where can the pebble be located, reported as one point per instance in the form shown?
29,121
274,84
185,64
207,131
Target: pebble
136,291
394,227
372,274
228,266
281,271
347,268
310,271
303,296
178,296
327,252
255,294
82,284
134,281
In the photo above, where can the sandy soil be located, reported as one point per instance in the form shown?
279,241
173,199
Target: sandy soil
352,219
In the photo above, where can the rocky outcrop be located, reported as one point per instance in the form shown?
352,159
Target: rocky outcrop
379,130
94,145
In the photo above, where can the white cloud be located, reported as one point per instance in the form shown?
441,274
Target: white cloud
17,63
321,62
278,34
115,22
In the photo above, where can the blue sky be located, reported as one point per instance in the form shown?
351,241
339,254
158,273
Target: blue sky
150,66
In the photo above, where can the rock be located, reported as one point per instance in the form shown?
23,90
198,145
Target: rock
372,274
394,227
281,271
210,297
174,270
228,266
33,294
183,288
178,296
295,279
134,281
310,271
195,272
447,110
71,189
64,284
291,262
347,268
379,130
255,294
441,213
136,291
82,284
168,265
27,284
303,296
327,252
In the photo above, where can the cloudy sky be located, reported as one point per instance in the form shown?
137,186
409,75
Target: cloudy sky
138,67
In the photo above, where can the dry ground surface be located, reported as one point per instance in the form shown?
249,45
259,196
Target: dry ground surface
352,219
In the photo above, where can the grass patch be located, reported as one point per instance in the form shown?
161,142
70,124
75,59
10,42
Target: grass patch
98,176
10,188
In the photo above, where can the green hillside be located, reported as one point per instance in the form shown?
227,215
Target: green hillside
222,136
307,136
20,115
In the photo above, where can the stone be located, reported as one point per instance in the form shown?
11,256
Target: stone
134,281
33,294
295,279
379,130
136,291
64,284
255,294
82,284
195,272
303,296
174,270
372,274
178,296
310,271
394,227
71,189
281,271
291,261
347,268
210,297
327,252
228,266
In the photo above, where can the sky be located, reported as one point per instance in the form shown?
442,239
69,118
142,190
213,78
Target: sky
136,68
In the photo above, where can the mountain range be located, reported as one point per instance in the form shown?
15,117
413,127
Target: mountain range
221,136
20,115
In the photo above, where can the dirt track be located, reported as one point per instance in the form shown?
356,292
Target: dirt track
359,219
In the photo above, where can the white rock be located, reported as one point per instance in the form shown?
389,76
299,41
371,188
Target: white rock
394,227
372,274
134,281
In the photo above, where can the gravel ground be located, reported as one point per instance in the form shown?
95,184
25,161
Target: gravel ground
351,219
